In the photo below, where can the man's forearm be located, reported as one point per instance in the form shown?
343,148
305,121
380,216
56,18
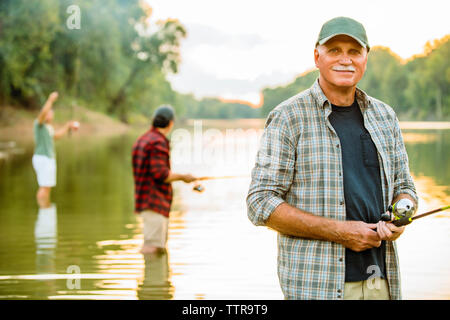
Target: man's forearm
173,177
62,131
295,222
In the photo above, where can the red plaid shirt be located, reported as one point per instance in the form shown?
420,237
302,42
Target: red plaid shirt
151,166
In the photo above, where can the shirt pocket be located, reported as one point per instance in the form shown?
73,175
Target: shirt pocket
369,151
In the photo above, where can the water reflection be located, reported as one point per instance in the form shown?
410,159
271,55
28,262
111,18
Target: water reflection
45,233
214,252
424,259
156,284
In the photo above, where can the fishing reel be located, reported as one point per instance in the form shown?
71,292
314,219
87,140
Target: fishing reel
198,188
403,210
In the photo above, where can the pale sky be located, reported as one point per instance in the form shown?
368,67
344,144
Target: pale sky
235,48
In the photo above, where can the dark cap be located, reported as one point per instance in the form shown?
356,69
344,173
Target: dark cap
346,26
163,115
165,111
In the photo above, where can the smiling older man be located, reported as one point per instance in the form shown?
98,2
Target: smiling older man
331,161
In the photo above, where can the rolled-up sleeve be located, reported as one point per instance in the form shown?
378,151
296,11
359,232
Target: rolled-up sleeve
403,182
274,169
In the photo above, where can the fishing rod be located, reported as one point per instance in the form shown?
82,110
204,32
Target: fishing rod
405,221
200,188
71,117
223,177
76,124
403,212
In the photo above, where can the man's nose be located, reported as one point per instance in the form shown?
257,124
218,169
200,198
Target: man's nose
345,60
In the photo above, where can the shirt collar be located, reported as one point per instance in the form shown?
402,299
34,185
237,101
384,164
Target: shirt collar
155,130
362,98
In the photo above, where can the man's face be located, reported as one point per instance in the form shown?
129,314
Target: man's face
341,61
170,126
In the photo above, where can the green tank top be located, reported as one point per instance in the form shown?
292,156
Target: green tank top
43,138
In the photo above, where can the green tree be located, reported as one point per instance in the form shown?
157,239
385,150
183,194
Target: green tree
27,29
384,78
418,89
274,96
428,92
156,51
110,64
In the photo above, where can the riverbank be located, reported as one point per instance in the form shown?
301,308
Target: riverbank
17,124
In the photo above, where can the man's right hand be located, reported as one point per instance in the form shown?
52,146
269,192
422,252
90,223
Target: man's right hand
188,178
53,96
359,236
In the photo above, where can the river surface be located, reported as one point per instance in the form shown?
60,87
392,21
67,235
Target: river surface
86,246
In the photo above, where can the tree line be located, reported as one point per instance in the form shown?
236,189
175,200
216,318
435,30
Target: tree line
417,89
117,62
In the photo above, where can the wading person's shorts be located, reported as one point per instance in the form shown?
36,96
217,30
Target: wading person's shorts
45,169
155,228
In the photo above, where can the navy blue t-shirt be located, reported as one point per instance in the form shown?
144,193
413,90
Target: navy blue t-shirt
362,186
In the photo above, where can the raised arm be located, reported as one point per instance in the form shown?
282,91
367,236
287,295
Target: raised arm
47,107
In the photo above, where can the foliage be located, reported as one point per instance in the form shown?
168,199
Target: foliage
272,97
118,62
115,62
210,108
417,89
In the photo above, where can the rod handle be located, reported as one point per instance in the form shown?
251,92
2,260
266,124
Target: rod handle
402,221
386,217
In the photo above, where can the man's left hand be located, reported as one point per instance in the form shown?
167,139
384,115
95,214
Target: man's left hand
388,231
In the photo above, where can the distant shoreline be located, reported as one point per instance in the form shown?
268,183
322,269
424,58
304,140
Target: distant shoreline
259,122
18,124
426,125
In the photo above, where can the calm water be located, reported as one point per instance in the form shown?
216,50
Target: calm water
87,245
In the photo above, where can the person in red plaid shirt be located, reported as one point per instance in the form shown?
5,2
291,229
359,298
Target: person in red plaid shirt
153,177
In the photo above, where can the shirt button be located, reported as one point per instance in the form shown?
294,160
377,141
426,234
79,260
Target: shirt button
341,259
337,146
339,291
340,174
341,202
339,296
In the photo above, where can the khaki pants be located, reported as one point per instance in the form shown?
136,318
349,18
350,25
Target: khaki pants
371,289
155,228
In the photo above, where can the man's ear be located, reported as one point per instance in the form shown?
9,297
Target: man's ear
316,57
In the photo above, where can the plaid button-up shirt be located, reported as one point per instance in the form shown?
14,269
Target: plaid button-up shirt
298,162
151,166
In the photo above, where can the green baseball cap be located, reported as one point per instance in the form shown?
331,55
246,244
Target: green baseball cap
346,26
